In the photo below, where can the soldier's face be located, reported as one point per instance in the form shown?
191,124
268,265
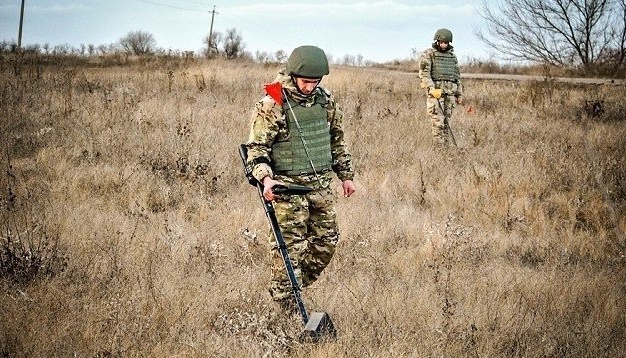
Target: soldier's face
443,44
307,85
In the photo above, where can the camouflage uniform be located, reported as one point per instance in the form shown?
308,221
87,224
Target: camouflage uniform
439,69
308,222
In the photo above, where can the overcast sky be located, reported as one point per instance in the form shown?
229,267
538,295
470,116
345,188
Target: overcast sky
379,30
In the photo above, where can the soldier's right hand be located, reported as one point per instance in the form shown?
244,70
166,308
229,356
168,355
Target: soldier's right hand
435,92
268,184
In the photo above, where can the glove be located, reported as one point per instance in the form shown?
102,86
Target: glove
435,92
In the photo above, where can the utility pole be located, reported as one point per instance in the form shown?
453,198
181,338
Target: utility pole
19,34
211,28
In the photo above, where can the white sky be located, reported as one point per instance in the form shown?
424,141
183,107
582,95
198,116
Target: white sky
379,30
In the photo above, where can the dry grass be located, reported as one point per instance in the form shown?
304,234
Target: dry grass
128,228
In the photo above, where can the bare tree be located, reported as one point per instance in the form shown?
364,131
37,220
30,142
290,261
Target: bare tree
5,46
281,56
618,54
138,43
233,45
62,49
556,32
262,56
212,46
349,60
359,60
103,49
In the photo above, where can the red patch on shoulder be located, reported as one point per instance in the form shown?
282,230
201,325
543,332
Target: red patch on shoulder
274,90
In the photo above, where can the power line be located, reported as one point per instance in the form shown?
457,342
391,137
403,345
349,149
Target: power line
199,3
170,6
256,28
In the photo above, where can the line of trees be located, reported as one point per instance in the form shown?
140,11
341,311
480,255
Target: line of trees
134,43
138,43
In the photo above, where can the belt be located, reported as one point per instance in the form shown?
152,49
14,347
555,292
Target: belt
323,171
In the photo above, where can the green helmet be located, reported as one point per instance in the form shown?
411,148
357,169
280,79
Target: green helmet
307,61
443,35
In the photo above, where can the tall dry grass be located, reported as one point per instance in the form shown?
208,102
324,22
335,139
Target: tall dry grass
128,228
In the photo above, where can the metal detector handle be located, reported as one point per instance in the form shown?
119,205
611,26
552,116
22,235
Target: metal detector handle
247,169
280,241
290,189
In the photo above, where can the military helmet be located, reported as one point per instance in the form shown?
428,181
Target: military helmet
443,35
307,61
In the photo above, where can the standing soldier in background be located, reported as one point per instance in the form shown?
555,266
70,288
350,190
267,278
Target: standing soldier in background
297,137
439,73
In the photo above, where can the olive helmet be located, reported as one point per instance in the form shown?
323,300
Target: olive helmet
307,61
443,35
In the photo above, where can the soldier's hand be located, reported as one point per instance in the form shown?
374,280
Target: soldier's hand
348,188
268,184
435,92
459,100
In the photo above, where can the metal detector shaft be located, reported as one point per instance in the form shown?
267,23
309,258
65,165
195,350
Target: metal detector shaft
280,241
282,247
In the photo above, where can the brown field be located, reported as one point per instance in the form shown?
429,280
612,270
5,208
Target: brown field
128,229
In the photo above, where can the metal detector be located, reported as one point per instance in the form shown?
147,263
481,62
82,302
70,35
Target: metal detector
317,325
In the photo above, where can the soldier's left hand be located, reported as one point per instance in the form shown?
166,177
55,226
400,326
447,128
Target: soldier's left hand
459,100
348,188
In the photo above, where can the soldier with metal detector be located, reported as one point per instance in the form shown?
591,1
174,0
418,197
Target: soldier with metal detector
440,74
297,138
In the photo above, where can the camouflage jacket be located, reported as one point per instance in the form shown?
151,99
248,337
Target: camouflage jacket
454,88
268,122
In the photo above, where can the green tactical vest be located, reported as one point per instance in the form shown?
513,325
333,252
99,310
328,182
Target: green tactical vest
444,67
288,154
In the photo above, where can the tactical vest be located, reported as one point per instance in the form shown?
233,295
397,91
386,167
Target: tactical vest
289,155
445,67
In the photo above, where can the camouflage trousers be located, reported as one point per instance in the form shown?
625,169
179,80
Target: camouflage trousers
440,112
308,224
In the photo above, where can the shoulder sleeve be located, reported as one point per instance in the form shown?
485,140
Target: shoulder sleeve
425,67
342,159
265,123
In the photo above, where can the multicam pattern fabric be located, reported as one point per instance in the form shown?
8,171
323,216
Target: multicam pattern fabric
309,226
440,110
307,222
269,122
